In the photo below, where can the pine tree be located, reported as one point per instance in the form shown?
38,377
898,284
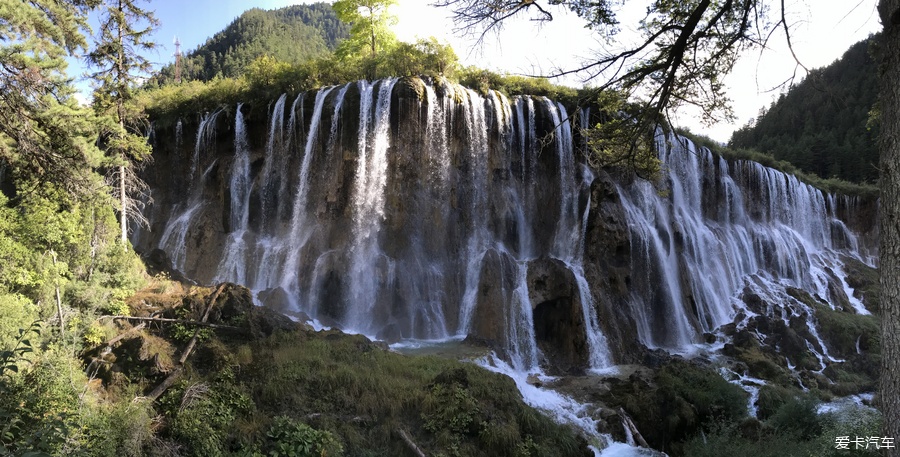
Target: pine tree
124,32
45,136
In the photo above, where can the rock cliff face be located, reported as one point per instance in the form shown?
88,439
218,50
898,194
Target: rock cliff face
417,209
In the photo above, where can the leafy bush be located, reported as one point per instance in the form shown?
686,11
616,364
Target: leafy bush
289,438
809,435
772,398
798,417
683,399
711,396
40,406
121,428
204,419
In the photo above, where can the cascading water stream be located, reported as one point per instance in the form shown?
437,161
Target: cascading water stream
368,202
179,134
299,232
233,266
274,164
569,238
205,136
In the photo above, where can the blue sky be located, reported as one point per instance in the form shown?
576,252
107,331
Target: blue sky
821,31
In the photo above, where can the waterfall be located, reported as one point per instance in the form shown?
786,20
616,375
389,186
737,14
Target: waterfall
173,239
178,136
233,266
275,163
368,201
205,135
773,231
431,211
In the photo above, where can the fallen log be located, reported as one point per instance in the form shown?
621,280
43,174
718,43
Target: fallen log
122,335
175,321
632,429
410,443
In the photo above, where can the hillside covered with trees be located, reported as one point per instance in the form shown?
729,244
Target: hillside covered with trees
292,34
821,125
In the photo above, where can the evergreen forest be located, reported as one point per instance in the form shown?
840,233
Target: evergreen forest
826,124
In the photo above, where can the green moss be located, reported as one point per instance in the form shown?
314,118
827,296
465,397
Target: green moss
841,330
683,399
864,279
847,381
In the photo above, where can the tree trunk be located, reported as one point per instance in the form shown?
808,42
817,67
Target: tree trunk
123,214
122,79
372,30
62,325
889,251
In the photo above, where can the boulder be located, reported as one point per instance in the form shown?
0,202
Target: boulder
559,325
496,283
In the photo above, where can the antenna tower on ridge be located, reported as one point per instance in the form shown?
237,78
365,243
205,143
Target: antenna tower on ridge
177,61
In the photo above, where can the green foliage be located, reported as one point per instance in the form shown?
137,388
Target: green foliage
711,396
370,27
842,329
40,406
684,399
727,440
267,78
266,71
614,141
182,333
771,398
204,416
450,408
9,358
485,80
44,135
94,335
124,32
425,57
121,428
798,432
798,417
289,438
822,125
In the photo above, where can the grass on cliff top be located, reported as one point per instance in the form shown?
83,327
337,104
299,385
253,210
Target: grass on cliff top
266,79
